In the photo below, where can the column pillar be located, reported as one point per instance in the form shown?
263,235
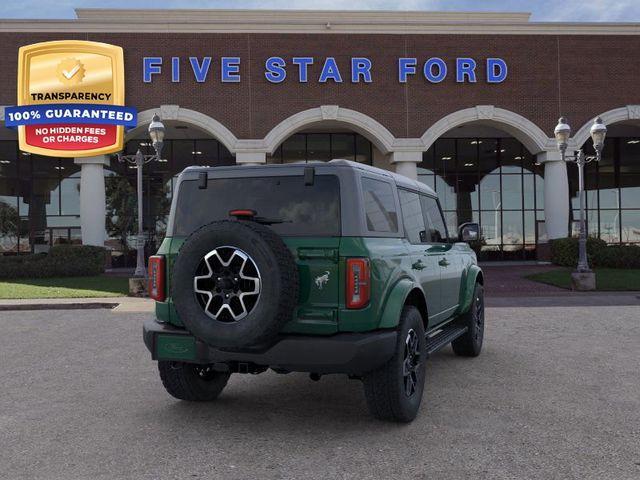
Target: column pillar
93,209
556,194
406,163
251,158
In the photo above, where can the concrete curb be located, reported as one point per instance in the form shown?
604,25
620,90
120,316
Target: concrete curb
57,306
113,304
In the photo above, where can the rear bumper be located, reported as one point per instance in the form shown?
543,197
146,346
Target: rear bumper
349,353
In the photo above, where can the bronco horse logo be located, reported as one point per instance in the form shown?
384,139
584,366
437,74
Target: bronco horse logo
322,280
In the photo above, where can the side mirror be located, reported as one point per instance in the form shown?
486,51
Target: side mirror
469,232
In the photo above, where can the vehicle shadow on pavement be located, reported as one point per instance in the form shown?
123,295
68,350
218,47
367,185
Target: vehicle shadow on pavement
271,402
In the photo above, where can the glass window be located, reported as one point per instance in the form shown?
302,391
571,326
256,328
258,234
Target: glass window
70,196
60,236
608,197
226,157
425,177
60,221
182,156
206,152
530,228
488,156
630,190
343,145
318,147
629,155
75,236
528,192
462,216
434,221
8,159
298,209
412,217
445,156
491,223
490,197
364,150
69,168
9,191
511,155
159,202
467,154
467,192
512,228
512,192
609,226
539,192
276,157
379,205
446,192
24,166
45,166
428,159
294,149
630,226
45,197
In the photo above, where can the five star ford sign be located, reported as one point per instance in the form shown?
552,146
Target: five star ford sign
70,99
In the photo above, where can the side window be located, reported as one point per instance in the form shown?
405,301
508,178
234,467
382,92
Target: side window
412,217
379,206
436,230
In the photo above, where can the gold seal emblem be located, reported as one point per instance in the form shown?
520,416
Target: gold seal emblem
70,71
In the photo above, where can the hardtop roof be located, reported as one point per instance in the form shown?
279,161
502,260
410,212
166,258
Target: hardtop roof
298,167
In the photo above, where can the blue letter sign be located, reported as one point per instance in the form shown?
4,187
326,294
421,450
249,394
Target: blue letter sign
496,70
323,70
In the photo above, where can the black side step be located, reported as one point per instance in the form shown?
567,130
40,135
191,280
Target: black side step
444,338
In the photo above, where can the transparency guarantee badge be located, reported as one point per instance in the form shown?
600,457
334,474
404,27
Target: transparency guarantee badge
71,99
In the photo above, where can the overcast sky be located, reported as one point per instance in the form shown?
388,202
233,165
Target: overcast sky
542,10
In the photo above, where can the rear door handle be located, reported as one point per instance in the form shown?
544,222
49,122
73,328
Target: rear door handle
418,265
443,263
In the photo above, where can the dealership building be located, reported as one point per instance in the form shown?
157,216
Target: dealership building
464,102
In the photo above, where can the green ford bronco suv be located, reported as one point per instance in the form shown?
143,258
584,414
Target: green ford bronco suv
323,268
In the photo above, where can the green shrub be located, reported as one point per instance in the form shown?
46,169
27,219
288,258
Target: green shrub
564,252
618,256
61,261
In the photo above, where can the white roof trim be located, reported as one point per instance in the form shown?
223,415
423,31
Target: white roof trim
311,21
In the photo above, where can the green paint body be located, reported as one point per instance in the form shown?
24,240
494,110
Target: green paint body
398,270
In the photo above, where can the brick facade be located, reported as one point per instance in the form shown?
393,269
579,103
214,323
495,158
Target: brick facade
575,75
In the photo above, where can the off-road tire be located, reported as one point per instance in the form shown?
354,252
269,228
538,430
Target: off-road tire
279,284
385,388
470,344
190,382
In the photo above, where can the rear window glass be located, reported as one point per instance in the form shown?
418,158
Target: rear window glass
302,210
379,206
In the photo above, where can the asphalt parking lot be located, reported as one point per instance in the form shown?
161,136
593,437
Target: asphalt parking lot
555,394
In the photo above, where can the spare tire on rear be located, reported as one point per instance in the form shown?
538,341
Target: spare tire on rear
234,284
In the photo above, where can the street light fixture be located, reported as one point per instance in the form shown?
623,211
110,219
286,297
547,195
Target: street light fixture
562,133
156,133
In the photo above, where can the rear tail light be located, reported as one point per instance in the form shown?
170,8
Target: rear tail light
156,278
358,285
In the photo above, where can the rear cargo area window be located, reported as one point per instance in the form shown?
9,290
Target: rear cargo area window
380,206
293,208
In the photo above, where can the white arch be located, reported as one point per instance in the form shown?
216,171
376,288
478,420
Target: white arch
531,136
630,112
200,120
382,138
